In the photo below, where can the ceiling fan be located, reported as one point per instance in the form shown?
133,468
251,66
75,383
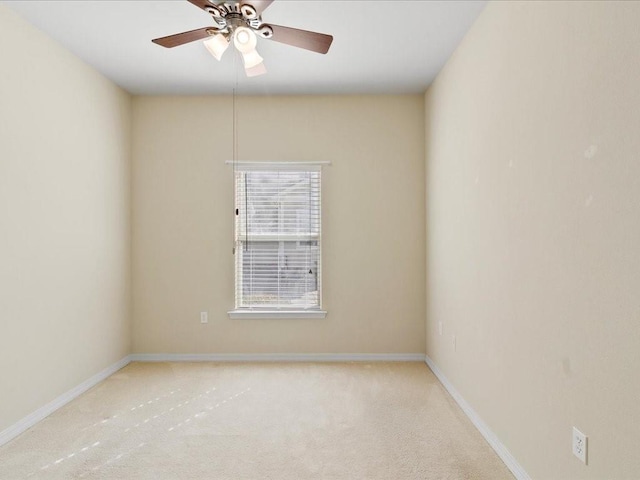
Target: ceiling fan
240,23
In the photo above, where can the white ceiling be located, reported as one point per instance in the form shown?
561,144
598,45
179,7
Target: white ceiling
379,47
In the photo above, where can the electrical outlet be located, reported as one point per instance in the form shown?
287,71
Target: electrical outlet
579,444
440,328
204,317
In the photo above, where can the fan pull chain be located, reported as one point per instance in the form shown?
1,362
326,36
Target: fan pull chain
234,153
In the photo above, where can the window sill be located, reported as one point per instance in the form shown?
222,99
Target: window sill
242,314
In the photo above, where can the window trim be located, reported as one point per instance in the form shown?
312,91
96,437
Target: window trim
247,313
278,313
278,165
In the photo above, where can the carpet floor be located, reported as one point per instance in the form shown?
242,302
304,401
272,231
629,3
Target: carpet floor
240,421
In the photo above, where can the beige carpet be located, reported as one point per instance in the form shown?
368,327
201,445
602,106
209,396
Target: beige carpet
257,421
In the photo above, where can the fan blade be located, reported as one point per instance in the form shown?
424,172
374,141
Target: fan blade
259,5
184,37
316,42
200,3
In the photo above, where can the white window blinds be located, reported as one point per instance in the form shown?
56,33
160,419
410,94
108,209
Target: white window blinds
277,254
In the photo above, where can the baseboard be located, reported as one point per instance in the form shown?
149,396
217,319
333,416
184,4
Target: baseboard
43,412
509,460
277,357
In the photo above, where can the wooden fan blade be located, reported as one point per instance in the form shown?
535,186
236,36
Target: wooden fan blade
316,42
200,3
259,5
184,37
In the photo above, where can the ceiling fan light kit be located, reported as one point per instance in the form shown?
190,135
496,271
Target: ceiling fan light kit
217,45
259,69
245,42
241,22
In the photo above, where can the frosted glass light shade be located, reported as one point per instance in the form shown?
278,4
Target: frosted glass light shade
245,40
259,69
217,45
251,59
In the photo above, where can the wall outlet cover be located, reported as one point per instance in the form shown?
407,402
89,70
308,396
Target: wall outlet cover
579,445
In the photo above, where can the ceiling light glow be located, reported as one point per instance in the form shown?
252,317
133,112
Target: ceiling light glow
245,40
217,45
251,59
259,69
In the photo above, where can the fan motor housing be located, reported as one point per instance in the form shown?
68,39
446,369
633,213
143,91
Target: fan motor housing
236,14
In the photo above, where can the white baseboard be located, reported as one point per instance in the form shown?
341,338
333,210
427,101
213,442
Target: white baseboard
509,460
43,412
277,357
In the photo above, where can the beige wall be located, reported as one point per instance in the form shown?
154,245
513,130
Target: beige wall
533,220
64,220
373,221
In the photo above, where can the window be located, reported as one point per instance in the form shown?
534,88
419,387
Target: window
278,241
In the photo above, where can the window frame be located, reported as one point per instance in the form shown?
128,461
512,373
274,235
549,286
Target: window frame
277,312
